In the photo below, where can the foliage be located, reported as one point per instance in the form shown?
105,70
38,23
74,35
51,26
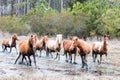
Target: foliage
109,23
85,18
11,24
95,9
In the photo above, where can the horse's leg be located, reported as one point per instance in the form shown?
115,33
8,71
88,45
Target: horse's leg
10,49
59,56
47,52
75,59
17,58
26,60
100,58
65,53
51,54
40,52
45,49
3,47
82,58
23,57
16,49
93,55
34,60
106,56
29,60
85,61
70,57
56,55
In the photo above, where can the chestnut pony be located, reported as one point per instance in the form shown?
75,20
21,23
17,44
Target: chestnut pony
100,48
41,44
10,43
27,48
70,49
84,49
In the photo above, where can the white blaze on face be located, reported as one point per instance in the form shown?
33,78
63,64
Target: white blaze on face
71,46
107,42
59,38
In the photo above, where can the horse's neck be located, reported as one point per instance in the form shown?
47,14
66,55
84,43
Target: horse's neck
43,42
13,41
29,45
104,45
80,44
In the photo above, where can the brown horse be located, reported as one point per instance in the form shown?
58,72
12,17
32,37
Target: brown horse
41,44
100,48
84,49
70,49
10,43
27,48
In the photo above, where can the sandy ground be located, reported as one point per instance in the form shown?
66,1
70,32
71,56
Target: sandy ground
50,69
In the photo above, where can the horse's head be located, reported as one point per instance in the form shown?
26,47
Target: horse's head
45,39
106,38
59,38
32,42
15,37
75,39
72,45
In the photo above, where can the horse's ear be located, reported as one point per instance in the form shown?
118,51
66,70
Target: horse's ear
35,37
31,36
105,35
76,38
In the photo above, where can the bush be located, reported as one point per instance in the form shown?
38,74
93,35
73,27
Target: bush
13,25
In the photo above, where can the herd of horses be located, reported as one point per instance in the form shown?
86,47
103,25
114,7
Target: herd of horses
70,46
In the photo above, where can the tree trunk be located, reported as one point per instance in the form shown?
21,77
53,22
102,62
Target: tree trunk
61,5
49,3
12,7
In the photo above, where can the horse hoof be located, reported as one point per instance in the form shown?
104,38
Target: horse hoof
82,67
98,61
29,64
20,62
70,61
86,68
74,63
66,60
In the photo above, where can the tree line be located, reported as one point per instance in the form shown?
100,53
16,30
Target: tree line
69,17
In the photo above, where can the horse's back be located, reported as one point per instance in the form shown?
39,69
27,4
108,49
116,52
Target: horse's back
51,43
84,46
5,42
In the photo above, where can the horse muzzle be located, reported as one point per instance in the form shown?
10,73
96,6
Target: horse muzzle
34,49
106,43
